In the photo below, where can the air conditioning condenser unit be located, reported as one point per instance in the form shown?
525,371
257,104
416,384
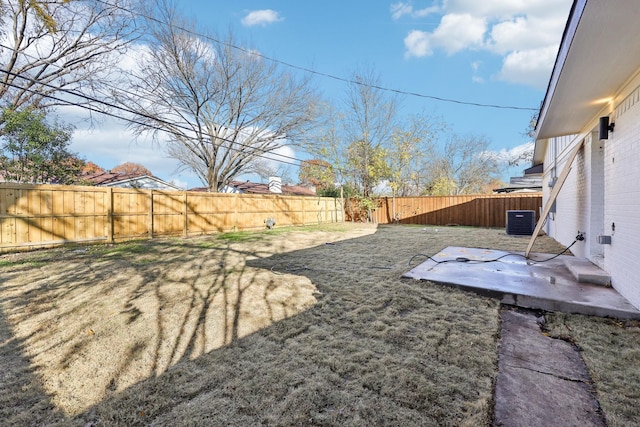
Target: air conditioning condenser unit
521,223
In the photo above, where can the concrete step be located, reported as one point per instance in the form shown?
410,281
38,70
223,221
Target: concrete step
585,271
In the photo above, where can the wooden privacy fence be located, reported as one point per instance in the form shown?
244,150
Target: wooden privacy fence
472,210
45,215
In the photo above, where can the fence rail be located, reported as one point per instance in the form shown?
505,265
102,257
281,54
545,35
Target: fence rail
471,210
47,215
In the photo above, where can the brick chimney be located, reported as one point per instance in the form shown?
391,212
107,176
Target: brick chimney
275,184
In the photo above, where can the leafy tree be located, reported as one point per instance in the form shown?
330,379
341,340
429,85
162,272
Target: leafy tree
442,185
34,151
131,168
319,174
220,107
41,9
91,168
463,166
412,144
369,165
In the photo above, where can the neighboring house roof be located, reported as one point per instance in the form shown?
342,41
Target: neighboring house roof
258,188
533,170
124,180
531,181
527,183
596,56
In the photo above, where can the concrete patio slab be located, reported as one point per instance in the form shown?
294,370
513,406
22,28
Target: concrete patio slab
538,282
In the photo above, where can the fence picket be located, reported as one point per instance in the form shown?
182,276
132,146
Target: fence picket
482,210
33,216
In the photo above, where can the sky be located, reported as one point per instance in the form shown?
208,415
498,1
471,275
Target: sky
449,53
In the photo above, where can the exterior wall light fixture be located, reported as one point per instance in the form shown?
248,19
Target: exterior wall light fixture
605,128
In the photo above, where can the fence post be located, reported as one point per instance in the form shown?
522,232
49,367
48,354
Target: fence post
110,230
151,214
185,213
344,215
235,211
304,212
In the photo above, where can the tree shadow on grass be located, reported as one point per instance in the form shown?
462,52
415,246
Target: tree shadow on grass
374,350
95,321
197,332
23,401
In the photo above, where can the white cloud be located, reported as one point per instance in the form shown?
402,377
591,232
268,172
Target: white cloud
280,157
475,66
400,9
112,144
516,155
180,183
261,17
531,67
417,44
458,32
522,33
455,33
525,33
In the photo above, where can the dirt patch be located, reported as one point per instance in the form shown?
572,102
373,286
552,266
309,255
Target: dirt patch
306,327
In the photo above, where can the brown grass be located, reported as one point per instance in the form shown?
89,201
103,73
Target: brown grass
291,327
611,350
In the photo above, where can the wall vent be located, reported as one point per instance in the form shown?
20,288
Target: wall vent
521,223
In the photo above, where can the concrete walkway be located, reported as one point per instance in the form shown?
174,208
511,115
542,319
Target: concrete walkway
541,381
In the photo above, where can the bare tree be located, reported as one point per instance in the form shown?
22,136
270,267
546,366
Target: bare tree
49,47
369,120
219,107
266,168
355,140
462,166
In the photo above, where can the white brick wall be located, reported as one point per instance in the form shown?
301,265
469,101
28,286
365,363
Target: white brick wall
571,205
580,203
622,199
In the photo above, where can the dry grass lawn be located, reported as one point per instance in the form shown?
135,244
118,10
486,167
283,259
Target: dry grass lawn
309,326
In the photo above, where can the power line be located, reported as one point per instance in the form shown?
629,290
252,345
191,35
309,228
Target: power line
319,73
140,123
147,116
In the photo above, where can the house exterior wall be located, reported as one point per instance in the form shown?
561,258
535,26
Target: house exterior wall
570,215
143,183
622,198
231,190
601,196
